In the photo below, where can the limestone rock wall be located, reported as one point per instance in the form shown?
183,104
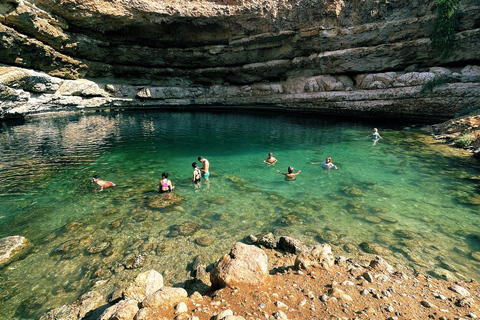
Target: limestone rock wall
367,57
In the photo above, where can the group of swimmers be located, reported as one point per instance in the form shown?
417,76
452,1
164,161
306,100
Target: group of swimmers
165,185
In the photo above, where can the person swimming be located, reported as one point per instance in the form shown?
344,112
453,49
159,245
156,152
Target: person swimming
165,185
375,135
328,165
290,175
103,184
270,159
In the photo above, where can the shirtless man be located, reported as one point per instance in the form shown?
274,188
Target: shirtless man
205,167
102,183
270,159
290,176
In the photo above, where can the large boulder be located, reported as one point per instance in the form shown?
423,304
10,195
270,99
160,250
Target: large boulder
11,247
145,284
319,256
244,265
77,310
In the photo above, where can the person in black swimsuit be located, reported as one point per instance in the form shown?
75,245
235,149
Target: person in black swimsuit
197,175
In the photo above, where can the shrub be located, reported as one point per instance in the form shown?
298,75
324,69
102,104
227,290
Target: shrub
464,140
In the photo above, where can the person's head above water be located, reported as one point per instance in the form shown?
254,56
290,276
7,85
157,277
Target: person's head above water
328,160
95,177
200,158
270,154
290,169
165,175
194,165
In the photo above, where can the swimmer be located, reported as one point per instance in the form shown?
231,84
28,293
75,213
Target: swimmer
270,159
197,174
328,165
375,135
101,183
290,176
165,185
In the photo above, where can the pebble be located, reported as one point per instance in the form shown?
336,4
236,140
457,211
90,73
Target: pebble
427,304
280,315
181,308
281,305
368,276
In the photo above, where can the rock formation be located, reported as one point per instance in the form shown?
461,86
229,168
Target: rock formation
369,58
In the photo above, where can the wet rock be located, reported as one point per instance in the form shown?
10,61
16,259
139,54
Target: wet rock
353,191
380,264
77,310
372,219
375,248
351,248
470,200
441,273
319,256
476,255
117,295
98,247
145,284
289,244
267,240
245,264
123,310
328,236
69,227
163,200
205,241
184,229
11,247
166,296
134,261
405,234
389,219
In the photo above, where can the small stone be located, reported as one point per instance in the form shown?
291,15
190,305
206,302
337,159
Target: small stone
427,304
324,298
368,276
181,308
281,305
280,315
224,314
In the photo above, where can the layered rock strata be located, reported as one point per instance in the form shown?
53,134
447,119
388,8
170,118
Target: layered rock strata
358,57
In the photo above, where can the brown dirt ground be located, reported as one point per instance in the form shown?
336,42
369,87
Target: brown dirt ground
392,296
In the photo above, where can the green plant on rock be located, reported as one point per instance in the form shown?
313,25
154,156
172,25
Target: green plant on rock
444,28
464,140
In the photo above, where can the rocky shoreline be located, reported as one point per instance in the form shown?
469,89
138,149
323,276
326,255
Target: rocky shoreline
284,279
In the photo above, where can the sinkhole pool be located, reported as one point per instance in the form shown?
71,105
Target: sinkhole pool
407,197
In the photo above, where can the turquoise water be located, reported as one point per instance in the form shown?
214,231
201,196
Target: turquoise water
407,194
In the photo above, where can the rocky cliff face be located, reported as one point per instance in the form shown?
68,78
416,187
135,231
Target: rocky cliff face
366,57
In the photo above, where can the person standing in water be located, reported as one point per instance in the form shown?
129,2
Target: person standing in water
205,167
165,185
328,165
270,159
375,135
102,183
197,175
290,175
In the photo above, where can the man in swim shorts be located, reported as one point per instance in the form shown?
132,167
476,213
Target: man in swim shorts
290,175
102,184
205,167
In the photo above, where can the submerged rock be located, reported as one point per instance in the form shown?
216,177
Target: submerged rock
161,201
77,310
375,248
184,229
98,247
353,191
134,261
11,247
205,241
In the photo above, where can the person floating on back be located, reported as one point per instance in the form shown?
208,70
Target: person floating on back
375,135
102,183
165,185
270,159
290,176
328,165
197,175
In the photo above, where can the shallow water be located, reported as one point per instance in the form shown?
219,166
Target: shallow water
404,194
